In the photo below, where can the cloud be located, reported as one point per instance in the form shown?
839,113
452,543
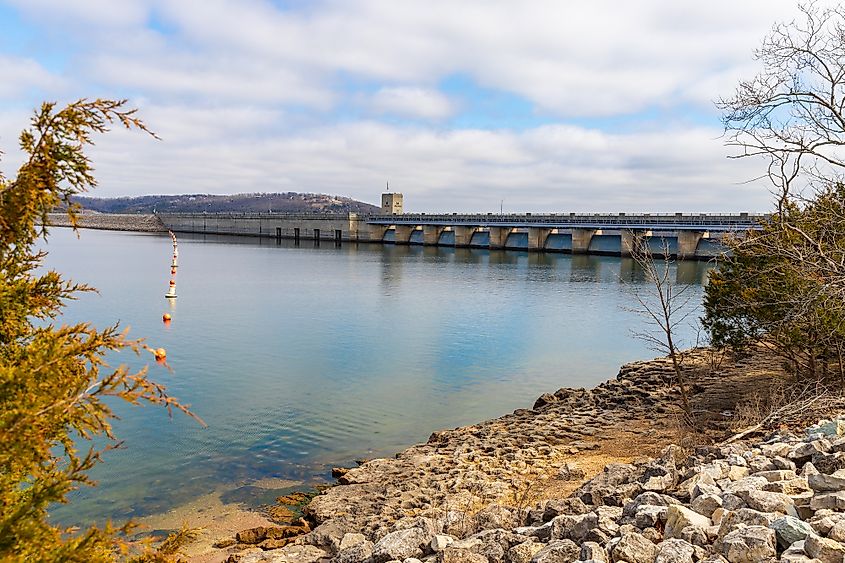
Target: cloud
412,102
22,76
547,168
88,12
615,98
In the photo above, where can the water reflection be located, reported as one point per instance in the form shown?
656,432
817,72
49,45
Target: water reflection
302,357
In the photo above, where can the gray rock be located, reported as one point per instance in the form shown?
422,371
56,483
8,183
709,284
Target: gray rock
607,518
789,486
495,516
675,551
789,530
705,489
634,548
687,487
749,544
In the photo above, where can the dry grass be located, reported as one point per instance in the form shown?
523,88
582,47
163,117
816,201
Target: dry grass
787,405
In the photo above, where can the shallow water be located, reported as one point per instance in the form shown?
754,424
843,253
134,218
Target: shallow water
300,358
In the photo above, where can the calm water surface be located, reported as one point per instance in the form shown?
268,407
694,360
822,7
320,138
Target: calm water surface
300,358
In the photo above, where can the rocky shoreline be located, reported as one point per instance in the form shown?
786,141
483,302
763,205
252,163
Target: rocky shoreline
571,480
148,223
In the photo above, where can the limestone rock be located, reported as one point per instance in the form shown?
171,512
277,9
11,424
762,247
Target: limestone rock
769,502
459,555
835,501
824,549
679,517
825,483
349,540
400,544
557,551
523,552
439,542
592,551
675,551
634,548
359,552
571,472
749,544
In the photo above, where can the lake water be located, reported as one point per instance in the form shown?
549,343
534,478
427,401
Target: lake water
300,357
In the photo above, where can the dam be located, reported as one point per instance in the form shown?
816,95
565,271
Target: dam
687,236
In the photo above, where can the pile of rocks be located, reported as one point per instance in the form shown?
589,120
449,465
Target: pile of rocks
779,499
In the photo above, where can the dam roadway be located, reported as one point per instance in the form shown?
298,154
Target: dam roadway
688,236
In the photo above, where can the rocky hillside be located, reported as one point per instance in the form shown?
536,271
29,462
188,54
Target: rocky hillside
289,202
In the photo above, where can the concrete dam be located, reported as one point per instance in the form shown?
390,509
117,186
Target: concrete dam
687,236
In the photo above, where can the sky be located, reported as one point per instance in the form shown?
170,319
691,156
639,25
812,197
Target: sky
462,105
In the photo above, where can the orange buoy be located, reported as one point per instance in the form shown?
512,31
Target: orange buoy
166,317
173,271
172,282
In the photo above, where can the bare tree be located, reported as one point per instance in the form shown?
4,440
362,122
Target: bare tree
666,306
792,114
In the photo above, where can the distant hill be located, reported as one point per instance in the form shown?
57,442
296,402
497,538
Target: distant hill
289,202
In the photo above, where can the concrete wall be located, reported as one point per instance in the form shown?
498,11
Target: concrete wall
303,227
682,243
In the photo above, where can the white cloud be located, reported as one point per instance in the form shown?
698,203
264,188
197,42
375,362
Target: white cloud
88,12
21,76
412,102
548,168
249,96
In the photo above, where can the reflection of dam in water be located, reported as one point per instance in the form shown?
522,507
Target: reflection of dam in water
686,236
538,266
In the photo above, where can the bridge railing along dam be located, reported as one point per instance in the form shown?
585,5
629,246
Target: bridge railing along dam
687,236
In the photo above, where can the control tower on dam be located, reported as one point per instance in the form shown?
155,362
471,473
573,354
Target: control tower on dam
687,236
